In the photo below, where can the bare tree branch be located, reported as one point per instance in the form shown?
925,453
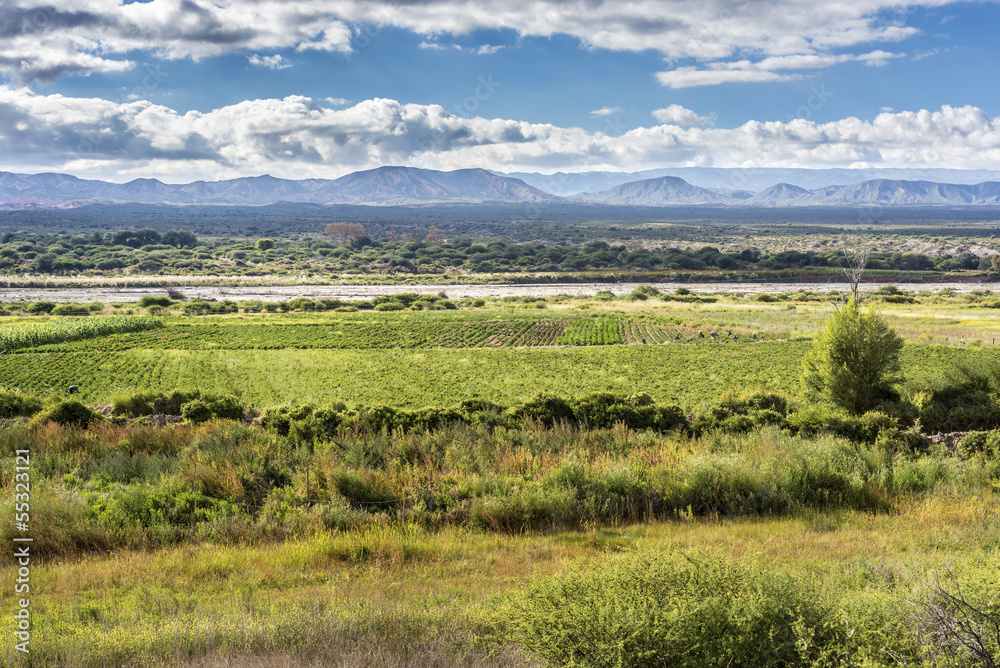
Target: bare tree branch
857,260
953,628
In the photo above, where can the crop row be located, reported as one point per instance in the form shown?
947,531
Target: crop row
681,374
593,332
414,378
72,329
646,333
361,334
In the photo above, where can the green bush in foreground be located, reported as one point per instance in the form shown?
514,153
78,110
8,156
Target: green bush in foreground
671,610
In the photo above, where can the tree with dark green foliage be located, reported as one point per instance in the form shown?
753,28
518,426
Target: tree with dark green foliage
855,360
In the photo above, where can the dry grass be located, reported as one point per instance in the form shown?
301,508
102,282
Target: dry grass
418,598
372,652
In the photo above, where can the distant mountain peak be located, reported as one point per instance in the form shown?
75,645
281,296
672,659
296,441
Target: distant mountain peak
400,185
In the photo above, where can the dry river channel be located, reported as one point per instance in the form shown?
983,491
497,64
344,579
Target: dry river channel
275,293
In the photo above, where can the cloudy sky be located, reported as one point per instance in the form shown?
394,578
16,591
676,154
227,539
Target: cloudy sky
189,89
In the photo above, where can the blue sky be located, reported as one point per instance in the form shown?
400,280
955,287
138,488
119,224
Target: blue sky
184,89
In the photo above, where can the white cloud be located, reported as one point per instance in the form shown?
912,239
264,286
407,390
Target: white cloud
689,77
275,62
764,70
298,137
337,101
43,40
878,58
605,111
484,50
675,114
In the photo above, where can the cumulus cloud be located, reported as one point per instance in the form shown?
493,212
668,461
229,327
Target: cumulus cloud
299,137
605,111
275,62
675,114
40,39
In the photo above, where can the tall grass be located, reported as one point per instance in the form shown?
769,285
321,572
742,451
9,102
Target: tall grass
160,628
229,482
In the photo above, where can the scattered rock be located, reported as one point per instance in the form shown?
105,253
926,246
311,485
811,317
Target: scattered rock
159,419
950,439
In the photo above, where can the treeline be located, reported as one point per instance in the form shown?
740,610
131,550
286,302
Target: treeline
431,256
172,252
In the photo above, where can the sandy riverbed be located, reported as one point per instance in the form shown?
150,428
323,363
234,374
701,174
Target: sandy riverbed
276,293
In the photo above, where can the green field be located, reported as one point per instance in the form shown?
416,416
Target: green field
682,374
369,331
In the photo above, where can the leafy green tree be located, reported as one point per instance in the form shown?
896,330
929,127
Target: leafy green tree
855,361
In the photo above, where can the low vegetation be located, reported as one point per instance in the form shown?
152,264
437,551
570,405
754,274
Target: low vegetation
642,487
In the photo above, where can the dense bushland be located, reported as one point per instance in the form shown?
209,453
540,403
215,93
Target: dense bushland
180,252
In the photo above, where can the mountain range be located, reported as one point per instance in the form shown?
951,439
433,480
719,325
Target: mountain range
385,185
756,179
409,186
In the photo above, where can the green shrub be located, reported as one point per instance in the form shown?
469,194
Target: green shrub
171,402
642,293
41,307
149,300
985,443
338,514
15,404
650,611
855,360
390,306
71,310
196,411
602,410
133,405
969,400
279,418
68,412
209,407
546,408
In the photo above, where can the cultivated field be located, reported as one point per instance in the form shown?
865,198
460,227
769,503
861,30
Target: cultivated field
395,488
